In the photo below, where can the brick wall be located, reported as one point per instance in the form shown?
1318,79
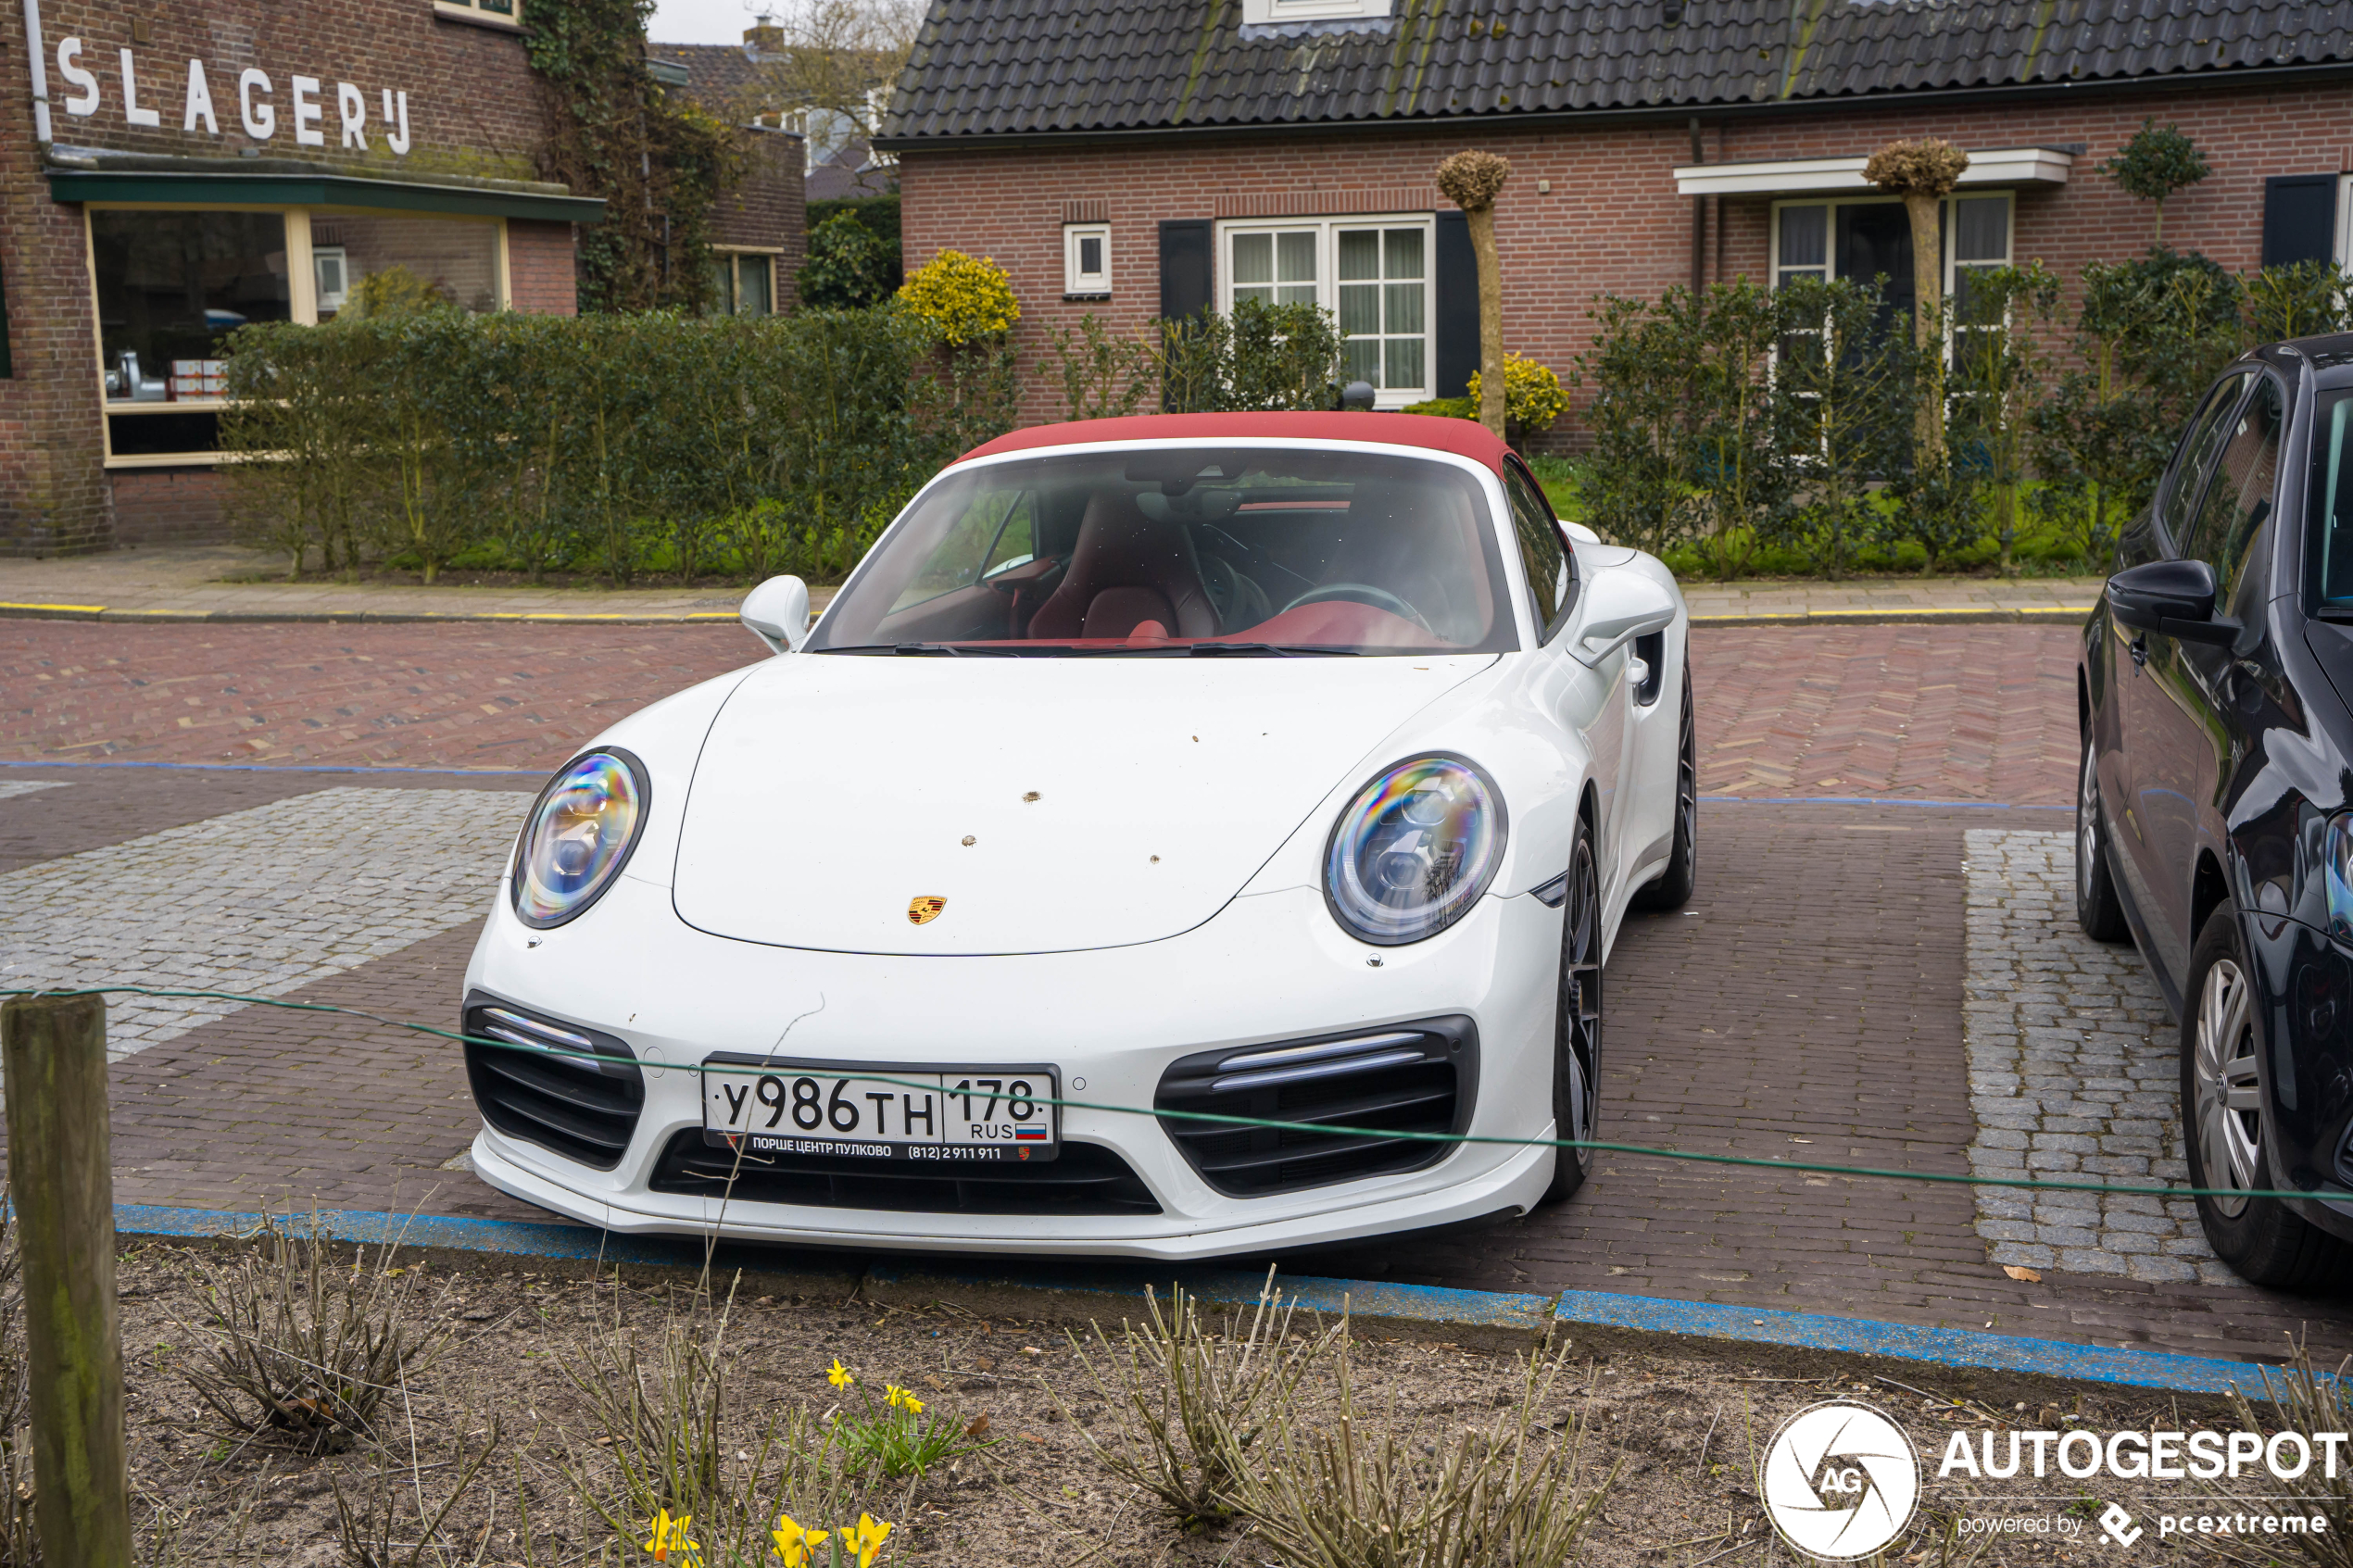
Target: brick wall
541,277
765,211
168,507
1612,220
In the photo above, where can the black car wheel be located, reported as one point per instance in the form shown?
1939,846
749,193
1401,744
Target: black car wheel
2097,908
2222,1123
1673,888
1577,1025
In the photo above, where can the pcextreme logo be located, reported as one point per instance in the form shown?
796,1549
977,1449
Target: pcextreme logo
1839,1481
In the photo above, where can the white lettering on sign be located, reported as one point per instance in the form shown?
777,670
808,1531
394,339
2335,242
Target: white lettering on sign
131,112
199,101
85,102
262,121
254,110
396,139
306,112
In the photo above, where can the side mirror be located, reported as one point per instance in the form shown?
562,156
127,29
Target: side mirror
1617,607
1581,534
777,613
2175,598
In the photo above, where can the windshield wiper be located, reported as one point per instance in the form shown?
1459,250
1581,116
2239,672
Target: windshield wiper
1279,650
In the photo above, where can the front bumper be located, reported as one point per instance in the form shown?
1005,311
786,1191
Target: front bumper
1271,967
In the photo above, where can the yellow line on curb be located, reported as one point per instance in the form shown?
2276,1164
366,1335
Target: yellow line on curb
78,610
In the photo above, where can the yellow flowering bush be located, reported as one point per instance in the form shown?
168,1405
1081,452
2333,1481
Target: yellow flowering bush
966,297
1532,394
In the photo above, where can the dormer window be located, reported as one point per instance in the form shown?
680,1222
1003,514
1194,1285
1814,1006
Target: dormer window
1275,13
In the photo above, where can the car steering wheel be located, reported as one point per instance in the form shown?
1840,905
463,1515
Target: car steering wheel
1363,594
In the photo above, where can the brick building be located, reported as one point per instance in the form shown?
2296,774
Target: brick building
1150,159
172,171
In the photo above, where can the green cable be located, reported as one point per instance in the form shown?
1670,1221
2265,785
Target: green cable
2025,1184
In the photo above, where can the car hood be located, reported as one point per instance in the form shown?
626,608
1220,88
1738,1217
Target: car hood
1054,804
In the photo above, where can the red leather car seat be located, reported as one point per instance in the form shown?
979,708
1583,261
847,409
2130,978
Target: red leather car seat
1126,569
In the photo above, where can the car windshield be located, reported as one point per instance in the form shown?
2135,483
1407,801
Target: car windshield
1182,550
2332,502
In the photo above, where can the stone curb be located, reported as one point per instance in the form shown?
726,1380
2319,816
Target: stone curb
1808,1343
2070,615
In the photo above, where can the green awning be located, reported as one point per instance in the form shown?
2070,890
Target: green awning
257,189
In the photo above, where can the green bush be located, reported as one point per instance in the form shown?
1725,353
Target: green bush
615,446
848,267
1742,430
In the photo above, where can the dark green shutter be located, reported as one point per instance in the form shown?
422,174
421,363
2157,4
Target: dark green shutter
1185,273
1456,326
2299,218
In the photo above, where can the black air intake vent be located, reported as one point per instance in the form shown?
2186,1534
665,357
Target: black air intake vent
1084,1178
1403,1078
540,1082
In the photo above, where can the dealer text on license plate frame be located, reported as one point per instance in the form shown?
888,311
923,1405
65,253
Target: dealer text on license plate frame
925,1112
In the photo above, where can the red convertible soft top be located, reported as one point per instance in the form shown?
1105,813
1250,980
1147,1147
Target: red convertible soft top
1464,438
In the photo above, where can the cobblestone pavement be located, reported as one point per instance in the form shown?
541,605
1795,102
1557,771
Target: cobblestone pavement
2073,1072
1928,713
261,901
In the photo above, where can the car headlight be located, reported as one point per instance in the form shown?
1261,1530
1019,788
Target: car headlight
2336,873
580,834
1413,850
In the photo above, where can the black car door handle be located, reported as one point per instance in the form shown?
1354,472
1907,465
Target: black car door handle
2140,651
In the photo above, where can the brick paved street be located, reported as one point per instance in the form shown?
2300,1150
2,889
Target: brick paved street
1808,1004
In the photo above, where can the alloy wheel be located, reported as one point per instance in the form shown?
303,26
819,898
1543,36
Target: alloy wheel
2228,1115
1687,780
1580,1006
2087,825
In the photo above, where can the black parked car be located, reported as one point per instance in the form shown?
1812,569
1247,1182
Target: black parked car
2214,817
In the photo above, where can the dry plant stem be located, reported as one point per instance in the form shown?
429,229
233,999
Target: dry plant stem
1189,1406
299,1352
1329,1496
2302,1399
370,1517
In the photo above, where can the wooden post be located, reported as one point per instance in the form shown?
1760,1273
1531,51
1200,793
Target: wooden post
53,1051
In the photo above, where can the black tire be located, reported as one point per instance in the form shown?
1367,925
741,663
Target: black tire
2222,1123
1673,888
2097,908
1577,1021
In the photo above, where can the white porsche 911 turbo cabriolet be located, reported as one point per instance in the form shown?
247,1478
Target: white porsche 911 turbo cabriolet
1296,768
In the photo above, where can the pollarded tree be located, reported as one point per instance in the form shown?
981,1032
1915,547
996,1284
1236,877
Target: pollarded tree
2156,162
1923,173
1472,181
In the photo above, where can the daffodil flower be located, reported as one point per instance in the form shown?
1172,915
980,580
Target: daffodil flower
901,1399
796,1546
670,1535
839,1377
867,1539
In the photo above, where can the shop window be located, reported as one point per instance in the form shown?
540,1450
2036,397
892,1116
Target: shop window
742,284
1373,274
173,286
404,261
1087,259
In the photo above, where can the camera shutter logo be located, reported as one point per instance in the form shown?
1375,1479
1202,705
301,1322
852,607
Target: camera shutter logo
1839,1481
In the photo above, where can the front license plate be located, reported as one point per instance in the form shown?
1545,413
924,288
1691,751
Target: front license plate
880,1111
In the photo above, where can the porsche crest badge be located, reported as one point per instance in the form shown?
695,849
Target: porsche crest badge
923,910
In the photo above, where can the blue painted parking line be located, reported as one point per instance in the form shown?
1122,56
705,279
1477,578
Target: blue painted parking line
1908,1342
1442,1310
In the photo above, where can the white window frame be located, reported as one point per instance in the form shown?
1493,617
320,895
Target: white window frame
736,255
1077,283
1326,230
470,12
2344,251
302,309
1275,13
